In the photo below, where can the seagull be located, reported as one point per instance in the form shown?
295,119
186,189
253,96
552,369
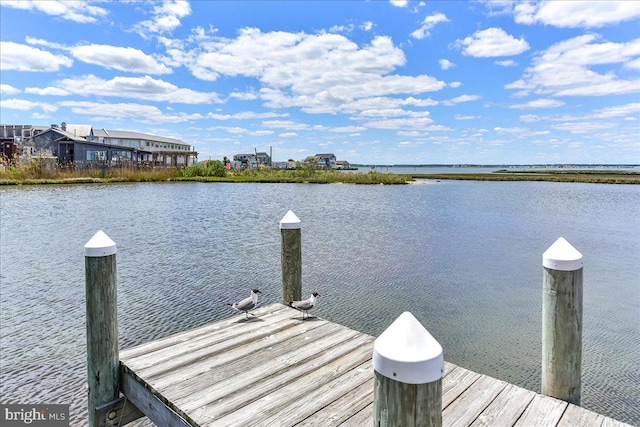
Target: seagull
306,304
248,303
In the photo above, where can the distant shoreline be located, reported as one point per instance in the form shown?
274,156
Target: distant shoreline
589,177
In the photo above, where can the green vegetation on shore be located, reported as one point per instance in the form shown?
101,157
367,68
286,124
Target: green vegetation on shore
215,171
211,171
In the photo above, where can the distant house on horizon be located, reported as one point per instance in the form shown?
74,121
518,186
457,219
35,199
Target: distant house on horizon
253,160
327,160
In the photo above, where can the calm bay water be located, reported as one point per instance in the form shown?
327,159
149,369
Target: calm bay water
464,257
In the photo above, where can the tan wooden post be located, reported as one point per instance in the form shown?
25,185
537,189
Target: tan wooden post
102,323
291,257
562,322
408,365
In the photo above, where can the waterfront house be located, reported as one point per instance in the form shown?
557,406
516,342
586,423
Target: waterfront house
83,146
342,164
327,161
253,160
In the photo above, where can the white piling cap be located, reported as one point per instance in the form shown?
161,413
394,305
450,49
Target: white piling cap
99,245
406,352
290,220
562,256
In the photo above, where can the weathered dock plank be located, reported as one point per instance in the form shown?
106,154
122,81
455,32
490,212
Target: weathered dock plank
464,410
542,411
343,408
275,369
506,408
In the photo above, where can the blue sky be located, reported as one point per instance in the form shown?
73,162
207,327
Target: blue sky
375,82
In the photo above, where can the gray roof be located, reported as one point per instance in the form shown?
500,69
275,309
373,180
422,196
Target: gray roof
125,134
65,134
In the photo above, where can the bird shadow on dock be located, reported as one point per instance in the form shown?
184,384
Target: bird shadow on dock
307,319
249,320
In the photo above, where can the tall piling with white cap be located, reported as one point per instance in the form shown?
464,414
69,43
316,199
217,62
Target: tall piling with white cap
562,322
102,323
290,230
408,365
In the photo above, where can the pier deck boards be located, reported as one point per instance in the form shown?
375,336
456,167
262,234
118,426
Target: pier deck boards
276,369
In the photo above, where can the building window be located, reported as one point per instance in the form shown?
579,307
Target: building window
97,155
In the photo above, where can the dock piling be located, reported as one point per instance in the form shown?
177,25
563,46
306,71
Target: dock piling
408,366
102,323
291,257
562,322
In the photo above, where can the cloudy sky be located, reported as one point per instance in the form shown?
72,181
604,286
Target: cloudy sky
384,82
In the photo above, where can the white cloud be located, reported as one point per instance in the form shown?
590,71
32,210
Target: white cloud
78,11
139,112
576,14
461,117
492,42
288,135
617,111
285,124
506,63
246,115
367,26
625,110
399,3
455,84
427,25
261,133
21,57
567,69
460,99
583,127
348,129
539,103
166,17
420,123
445,64
119,58
528,118
146,88
45,43
24,105
634,64
8,89
49,91
320,73
342,28
244,96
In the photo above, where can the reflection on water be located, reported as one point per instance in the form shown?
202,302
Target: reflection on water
464,257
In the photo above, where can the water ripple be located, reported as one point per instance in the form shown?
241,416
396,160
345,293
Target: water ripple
463,257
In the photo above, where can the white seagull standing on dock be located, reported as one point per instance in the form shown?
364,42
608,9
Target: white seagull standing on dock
306,304
248,303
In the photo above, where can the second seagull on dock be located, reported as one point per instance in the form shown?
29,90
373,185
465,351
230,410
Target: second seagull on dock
306,304
248,303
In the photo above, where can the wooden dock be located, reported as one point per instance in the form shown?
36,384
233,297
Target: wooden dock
276,369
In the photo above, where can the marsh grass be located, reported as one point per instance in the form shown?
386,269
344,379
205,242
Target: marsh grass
212,171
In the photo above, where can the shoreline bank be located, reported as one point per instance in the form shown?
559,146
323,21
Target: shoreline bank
604,177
